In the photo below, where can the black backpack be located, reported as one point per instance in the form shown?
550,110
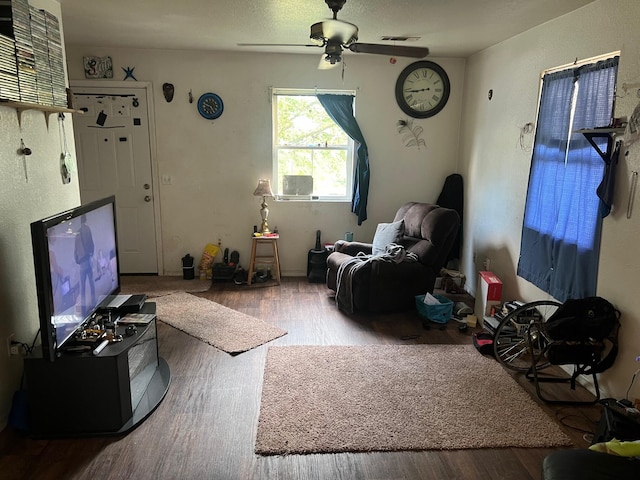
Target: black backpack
579,329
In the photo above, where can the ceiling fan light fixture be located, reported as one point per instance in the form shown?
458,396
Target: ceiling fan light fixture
335,35
333,58
317,34
325,63
344,32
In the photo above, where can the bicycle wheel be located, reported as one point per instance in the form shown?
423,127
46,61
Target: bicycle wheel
520,339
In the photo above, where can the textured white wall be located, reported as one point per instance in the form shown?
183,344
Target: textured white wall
497,168
215,165
25,198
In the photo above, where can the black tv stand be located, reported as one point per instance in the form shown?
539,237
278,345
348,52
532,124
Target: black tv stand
111,393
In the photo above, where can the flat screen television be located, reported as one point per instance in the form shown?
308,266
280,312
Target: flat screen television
76,266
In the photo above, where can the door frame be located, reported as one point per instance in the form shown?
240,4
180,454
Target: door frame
155,180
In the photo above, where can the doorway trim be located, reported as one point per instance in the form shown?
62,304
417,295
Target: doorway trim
148,87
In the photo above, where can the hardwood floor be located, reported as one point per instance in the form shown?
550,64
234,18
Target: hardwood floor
205,428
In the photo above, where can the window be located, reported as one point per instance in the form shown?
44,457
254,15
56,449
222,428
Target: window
309,148
560,244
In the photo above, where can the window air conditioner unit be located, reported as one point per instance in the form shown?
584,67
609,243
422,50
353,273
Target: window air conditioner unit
296,185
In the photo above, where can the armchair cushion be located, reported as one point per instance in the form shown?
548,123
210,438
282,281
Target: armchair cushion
387,233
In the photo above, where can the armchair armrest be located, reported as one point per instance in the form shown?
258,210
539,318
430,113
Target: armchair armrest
353,248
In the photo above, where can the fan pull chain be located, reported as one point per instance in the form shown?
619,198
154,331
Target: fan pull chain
632,193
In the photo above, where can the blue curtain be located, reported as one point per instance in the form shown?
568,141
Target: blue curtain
340,109
560,244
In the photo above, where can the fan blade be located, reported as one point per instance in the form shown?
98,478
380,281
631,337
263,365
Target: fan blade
391,50
277,45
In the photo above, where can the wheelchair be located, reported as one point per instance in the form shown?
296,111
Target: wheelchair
532,337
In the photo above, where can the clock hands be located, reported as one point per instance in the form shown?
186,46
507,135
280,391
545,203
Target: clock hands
419,90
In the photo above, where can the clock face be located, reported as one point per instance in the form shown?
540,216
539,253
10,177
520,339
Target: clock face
422,89
210,106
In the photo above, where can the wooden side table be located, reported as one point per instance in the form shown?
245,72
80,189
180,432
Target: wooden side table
272,259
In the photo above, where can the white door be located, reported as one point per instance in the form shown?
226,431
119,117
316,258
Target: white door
114,158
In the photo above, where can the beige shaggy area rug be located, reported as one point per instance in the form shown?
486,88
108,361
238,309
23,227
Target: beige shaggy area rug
219,326
318,399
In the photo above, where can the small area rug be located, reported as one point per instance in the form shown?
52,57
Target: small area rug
219,326
320,399
158,285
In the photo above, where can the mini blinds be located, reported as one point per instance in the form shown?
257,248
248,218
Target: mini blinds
560,246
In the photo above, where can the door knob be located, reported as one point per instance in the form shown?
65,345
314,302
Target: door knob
147,186
147,198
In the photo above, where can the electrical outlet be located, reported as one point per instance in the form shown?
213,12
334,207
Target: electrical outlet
487,264
15,349
9,346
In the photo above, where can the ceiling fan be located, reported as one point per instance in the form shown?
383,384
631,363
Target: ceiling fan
337,35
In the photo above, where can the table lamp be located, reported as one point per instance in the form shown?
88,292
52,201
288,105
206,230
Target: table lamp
264,190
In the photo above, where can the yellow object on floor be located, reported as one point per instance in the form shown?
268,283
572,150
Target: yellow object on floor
206,263
616,447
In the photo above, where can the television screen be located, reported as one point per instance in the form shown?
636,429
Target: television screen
76,263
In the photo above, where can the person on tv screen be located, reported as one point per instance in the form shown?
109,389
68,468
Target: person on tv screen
83,252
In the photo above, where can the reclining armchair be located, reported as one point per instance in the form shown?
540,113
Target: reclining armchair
426,232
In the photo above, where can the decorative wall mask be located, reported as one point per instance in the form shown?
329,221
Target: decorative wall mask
167,91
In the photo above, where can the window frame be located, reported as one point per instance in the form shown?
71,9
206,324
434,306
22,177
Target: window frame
548,270
350,148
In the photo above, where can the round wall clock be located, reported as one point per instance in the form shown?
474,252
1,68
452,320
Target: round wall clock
422,89
210,106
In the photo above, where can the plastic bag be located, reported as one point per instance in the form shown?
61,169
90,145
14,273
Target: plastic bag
206,262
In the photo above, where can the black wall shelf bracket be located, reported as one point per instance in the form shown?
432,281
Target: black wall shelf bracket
608,133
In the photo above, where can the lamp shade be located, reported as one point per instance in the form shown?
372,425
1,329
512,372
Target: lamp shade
263,189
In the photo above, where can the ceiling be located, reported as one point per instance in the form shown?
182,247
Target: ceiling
450,28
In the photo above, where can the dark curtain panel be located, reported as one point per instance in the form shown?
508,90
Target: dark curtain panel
340,109
452,196
560,243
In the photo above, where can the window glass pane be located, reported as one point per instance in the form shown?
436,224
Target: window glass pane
329,173
308,142
302,121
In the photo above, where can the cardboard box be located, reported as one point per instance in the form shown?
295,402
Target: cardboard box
488,293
